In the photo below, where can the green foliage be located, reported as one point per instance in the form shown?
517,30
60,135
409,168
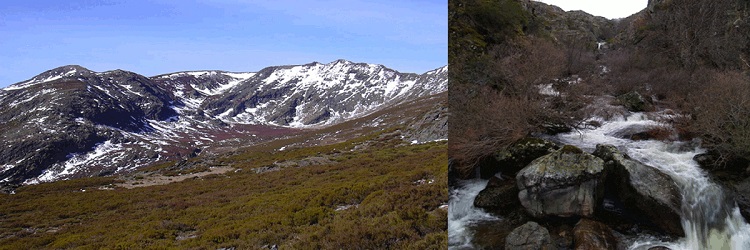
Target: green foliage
295,208
475,24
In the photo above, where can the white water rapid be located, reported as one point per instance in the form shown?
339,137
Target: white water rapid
709,219
462,213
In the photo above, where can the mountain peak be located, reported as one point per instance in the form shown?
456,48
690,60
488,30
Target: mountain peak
52,75
67,70
342,61
72,67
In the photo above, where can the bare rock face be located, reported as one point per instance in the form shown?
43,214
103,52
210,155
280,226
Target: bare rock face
643,189
529,236
571,23
565,183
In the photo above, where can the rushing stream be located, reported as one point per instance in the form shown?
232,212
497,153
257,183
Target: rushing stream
462,213
709,219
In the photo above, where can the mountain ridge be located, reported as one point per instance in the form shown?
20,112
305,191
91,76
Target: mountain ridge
69,121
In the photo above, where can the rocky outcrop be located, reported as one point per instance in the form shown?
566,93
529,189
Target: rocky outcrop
589,234
565,183
529,236
432,126
514,158
643,189
500,196
572,23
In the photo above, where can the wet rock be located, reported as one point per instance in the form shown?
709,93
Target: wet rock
565,183
512,159
659,248
634,101
707,160
640,132
500,196
723,167
589,234
452,173
741,193
643,189
529,236
556,128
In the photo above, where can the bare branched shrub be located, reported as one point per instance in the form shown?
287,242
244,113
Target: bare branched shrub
504,104
578,58
529,62
488,122
722,114
696,33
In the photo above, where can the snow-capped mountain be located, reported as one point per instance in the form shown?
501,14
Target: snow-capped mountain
71,122
321,94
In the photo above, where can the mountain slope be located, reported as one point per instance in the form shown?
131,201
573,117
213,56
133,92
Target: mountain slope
321,94
72,122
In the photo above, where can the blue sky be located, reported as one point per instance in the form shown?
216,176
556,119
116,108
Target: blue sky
159,36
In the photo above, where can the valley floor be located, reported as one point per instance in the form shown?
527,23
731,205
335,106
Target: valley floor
373,193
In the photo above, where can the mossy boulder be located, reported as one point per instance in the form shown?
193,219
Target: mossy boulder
565,183
634,102
643,189
515,157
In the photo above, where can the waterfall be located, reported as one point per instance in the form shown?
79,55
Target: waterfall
462,213
709,219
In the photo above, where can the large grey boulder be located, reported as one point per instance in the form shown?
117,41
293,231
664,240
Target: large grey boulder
643,189
565,183
529,236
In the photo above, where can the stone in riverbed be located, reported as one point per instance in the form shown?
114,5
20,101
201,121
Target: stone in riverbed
643,189
500,196
564,183
589,234
634,102
529,236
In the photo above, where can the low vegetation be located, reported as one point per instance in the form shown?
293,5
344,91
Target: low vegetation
385,195
685,57
496,72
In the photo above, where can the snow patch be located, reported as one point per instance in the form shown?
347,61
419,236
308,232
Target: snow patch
35,80
78,162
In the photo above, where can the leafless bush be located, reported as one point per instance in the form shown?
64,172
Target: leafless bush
722,114
526,64
504,105
488,122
